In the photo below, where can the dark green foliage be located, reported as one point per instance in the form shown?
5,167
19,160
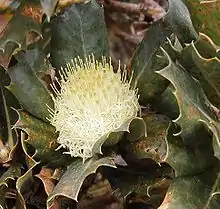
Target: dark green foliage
169,158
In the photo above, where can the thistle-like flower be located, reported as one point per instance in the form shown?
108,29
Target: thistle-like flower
92,101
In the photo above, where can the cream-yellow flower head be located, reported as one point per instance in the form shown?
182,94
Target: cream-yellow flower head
92,102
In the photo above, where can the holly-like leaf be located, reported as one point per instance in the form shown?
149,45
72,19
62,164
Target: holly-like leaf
153,145
144,62
27,84
22,25
17,30
166,104
72,180
24,184
200,59
147,187
206,47
193,103
200,191
17,27
12,173
205,16
137,129
79,31
42,136
112,139
193,156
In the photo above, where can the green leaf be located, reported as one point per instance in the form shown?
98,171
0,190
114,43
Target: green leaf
27,84
24,20
17,30
24,184
79,31
137,129
193,103
192,157
12,173
144,62
201,191
147,187
206,47
200,59
206,18
72,180
166,104
153,145
42,136
112,139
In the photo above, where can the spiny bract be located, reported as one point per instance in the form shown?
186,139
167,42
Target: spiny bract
92,102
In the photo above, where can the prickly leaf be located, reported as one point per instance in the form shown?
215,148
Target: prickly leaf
137,129
199,191
13,172
144,62
79,31
147,187
166,104
27,83
193,103
202,61
193,156
17,27
153,145
42,137
24,185
72,180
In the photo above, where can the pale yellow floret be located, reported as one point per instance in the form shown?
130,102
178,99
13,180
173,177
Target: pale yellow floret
92,102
